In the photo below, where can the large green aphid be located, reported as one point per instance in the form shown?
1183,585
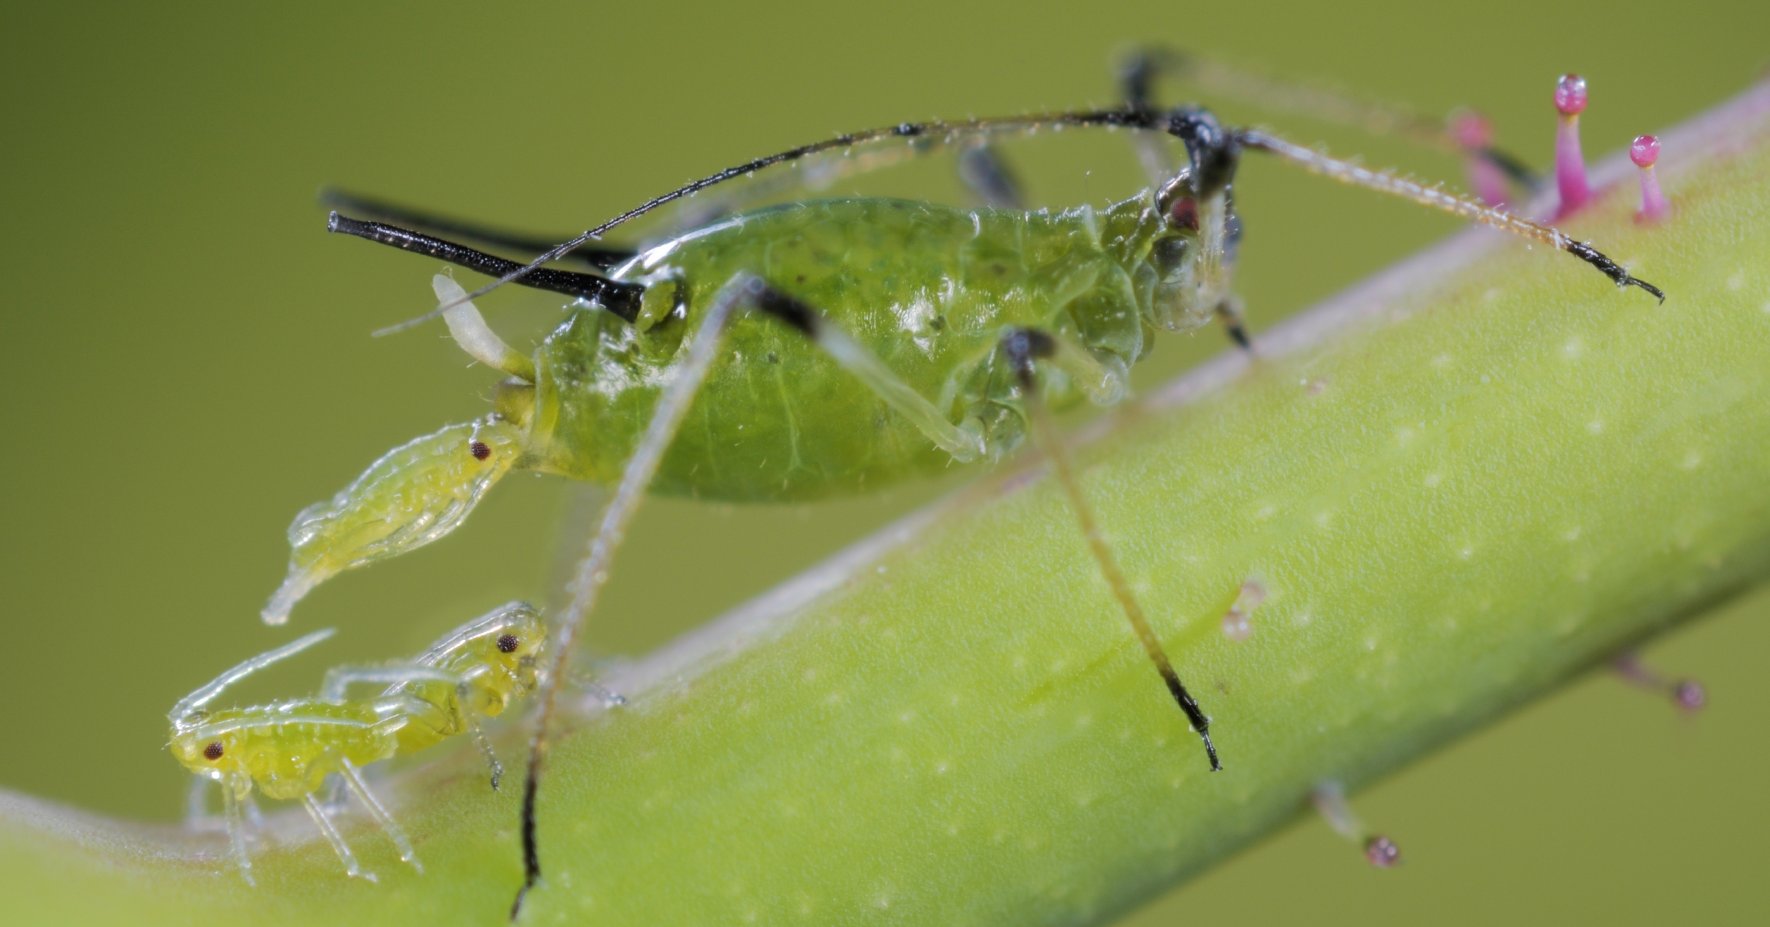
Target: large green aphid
911,335
287,750
904,378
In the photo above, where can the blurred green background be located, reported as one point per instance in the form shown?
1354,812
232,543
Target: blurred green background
191,363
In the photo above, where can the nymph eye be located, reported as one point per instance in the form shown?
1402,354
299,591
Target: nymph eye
480,450
213,751
508,643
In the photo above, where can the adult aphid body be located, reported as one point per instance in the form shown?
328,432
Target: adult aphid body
906,380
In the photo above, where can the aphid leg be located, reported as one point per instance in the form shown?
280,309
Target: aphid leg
254,816
484,744
321,820
196,805
236,836
1137,76
354,779
865,366
1688,694
1024,349
989,178
1329,799
598,256
1229,312
607,696
593,571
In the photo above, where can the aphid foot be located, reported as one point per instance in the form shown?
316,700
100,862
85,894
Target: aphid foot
1329,799
1689,695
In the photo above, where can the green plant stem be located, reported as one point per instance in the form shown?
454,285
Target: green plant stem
1458,485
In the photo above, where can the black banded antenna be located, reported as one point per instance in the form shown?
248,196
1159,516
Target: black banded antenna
1180,123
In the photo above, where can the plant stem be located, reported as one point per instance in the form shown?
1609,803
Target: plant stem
1458,485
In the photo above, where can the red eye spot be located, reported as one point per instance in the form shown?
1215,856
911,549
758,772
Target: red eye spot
1184,213
508,643
480,450
213,751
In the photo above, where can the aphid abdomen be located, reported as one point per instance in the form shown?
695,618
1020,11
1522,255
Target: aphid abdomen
928,289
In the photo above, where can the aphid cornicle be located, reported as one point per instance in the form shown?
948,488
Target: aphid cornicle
900,336
286,750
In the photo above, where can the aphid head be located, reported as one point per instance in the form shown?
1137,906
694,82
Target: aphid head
208,751
1189,257
414,494
516,648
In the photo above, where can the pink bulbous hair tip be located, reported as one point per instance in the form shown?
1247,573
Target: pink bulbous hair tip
1473,133
1570,162
1644,151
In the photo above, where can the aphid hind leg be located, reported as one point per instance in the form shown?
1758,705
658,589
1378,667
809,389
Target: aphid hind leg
354,779
330,831
742,292
1025,349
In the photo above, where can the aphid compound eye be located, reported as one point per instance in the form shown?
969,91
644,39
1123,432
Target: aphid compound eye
480,450
508,643
213,751
1184,213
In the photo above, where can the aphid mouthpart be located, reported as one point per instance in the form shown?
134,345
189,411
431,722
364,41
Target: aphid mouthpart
1570,162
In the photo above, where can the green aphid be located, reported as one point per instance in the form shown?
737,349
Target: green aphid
829,347
287,750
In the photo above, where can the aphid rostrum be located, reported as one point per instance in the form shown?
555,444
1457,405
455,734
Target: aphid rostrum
287,749
902,336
